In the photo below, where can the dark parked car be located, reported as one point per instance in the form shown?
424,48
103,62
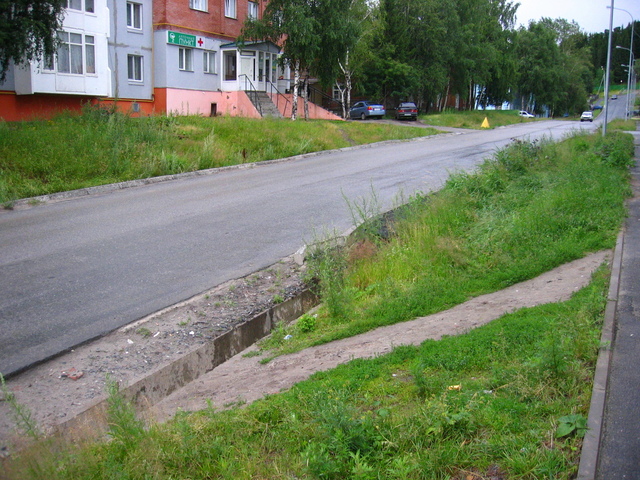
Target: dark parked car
364,110
407,110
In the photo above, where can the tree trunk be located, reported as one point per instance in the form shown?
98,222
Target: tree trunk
443,105
296,86
305,96
346,90
472,96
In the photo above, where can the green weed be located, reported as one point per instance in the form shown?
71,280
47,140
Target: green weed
21,414
306,323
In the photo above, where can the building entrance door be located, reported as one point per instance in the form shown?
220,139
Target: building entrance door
248,72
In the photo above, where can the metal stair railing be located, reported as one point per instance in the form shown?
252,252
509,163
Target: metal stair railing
250,90
328,102
273,90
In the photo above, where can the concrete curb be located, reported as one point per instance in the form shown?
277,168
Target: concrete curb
591,443
149,390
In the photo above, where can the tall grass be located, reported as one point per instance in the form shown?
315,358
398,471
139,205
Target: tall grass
524,212
104,146
625,125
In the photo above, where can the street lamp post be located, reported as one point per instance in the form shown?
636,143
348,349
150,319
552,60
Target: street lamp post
626,117
633,23
629,66
606,78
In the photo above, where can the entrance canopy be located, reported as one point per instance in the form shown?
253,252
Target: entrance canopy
251,66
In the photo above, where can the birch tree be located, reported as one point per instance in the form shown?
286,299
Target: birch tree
28,30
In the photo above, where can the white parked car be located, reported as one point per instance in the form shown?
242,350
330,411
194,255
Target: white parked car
586,117
525,114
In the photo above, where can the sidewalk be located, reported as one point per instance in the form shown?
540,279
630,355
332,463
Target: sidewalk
611,449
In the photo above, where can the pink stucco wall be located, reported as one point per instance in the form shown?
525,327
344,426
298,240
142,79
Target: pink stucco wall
235,104
194,102
315,112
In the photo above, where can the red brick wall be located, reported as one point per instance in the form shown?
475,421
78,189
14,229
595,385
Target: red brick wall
176,15
41,106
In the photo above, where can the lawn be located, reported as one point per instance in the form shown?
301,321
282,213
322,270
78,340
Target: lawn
101,147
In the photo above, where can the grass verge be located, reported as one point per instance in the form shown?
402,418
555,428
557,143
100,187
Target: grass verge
101,147
473,119
624,125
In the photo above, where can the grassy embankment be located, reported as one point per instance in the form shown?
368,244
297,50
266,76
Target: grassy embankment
473,119
522,383
624,125
96,148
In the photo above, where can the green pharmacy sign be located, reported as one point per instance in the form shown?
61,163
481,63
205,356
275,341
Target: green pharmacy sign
181,39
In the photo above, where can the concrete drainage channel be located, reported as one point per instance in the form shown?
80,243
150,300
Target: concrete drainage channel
146,390
150,390
153,388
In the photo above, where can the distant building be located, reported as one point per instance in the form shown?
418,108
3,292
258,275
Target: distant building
161,56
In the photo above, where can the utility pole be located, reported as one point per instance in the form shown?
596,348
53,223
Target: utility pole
606,78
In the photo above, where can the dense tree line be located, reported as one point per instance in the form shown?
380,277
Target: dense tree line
427,51
430,51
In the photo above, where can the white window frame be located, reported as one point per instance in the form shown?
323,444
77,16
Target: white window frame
252,10
81,5
89,55
209,62
336,92
71,49
201,5
48,63
76,55
185,59
230,8
230,65
135,68
134,16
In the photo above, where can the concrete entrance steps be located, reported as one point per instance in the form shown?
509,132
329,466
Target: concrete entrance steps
265,105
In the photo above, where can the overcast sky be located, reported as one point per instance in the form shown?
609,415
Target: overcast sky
591,15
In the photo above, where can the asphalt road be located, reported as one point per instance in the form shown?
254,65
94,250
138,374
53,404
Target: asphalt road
74,270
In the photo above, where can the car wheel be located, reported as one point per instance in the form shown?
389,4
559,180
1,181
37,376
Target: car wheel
363,116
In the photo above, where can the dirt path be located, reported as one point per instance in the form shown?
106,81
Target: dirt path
53,397
244,379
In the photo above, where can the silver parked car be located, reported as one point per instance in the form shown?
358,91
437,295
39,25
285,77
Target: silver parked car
586,117
364,110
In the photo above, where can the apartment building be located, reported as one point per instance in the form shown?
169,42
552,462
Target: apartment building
152,57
